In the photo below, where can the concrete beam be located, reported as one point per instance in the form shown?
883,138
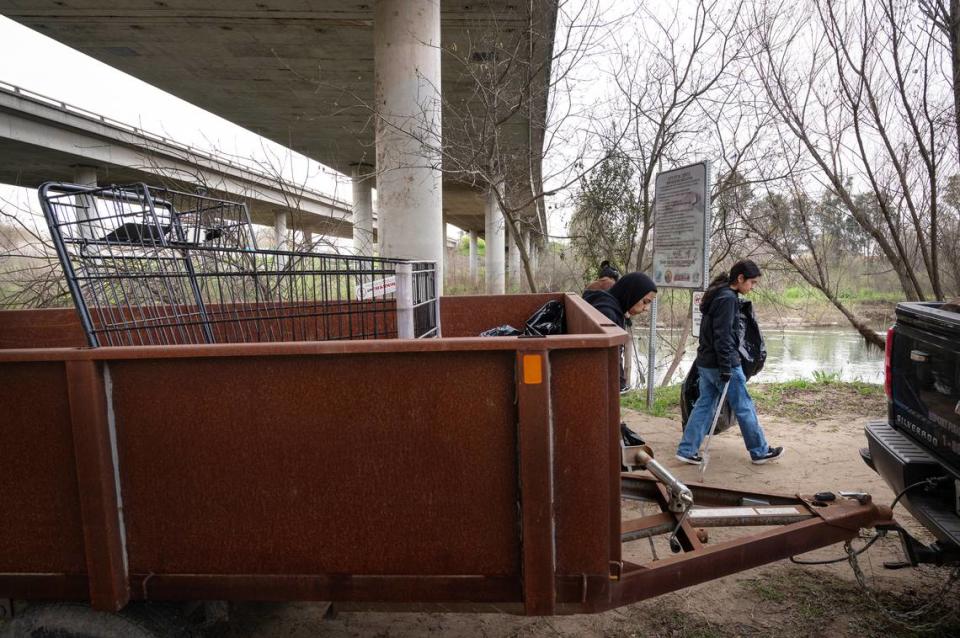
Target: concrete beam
45,140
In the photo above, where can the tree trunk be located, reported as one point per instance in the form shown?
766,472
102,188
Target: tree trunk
953,26
681,348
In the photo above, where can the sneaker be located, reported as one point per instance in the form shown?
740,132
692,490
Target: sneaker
696,459
772,454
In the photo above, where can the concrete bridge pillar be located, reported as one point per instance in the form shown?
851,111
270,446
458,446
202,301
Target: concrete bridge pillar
86,205
362,180
514,254
85,175
406,37
494,235
280,229
474,257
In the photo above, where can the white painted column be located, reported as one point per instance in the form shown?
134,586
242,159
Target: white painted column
474,257
514,265
446,251
363,210
534,248
494,235
406,40
280,229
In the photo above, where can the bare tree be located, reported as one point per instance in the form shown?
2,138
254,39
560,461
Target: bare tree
859,97
30,274
945,17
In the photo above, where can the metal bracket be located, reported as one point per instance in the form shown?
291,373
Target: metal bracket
918,553
861,497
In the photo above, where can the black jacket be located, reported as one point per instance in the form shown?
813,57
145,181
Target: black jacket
605,303
720,331
610,307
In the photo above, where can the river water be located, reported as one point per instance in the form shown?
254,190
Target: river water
796,354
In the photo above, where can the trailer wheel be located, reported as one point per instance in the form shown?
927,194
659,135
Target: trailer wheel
77,620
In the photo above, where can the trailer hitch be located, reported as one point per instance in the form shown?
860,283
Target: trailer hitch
918,553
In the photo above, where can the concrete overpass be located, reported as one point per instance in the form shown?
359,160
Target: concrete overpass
45,139
391,91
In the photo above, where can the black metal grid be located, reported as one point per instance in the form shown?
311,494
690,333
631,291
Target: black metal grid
152,266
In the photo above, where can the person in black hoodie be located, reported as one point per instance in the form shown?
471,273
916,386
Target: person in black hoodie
718,361
630,296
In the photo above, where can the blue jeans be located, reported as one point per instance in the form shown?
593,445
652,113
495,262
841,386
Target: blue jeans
698,425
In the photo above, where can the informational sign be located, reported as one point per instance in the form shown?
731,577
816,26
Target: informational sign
377,289
681,239
697,315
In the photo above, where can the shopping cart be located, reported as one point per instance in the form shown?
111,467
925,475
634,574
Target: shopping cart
154,266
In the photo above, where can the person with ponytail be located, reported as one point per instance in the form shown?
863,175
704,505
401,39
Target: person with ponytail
607,276
718,360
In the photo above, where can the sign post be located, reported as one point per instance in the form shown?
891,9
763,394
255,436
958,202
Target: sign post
697,317
681,240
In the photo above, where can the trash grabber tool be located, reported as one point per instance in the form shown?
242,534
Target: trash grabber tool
705,454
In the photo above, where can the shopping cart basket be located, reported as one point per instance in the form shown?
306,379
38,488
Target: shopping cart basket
153,266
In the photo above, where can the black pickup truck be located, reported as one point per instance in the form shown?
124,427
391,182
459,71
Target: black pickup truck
917,449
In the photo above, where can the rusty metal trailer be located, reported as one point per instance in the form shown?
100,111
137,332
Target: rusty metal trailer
266,425
451,470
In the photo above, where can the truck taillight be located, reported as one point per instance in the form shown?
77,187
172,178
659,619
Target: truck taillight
887,358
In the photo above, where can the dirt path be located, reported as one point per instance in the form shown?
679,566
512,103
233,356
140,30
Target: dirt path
782,599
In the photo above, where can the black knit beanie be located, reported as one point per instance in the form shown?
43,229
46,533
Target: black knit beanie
631,288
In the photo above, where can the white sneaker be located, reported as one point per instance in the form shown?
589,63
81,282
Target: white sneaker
772,454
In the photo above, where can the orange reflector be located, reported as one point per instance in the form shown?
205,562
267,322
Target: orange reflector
532,369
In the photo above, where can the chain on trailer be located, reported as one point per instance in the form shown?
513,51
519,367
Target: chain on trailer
154,266
906,619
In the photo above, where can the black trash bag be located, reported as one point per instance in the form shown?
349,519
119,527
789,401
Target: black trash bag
690,392
753,349
547,320
506,330
629,437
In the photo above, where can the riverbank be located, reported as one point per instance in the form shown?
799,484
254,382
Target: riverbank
799,399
